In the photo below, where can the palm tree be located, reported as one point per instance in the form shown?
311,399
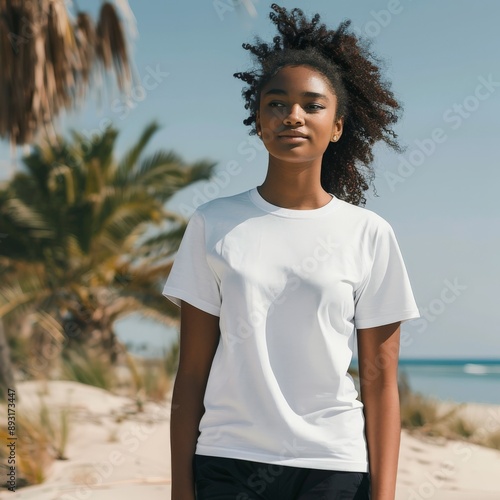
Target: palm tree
50,56
89,241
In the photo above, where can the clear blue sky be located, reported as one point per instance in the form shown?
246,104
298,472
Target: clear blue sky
440,196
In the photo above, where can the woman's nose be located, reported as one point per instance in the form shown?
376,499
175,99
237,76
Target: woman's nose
295,117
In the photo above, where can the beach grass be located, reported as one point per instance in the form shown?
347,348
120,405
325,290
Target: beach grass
492,440
150,379
422,415
79,366
42,437
171,359
143,379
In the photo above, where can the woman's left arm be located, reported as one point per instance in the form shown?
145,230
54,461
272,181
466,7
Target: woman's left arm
378,354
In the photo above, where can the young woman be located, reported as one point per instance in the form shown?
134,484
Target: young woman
276,284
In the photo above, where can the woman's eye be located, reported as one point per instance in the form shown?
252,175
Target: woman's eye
308,107
315,107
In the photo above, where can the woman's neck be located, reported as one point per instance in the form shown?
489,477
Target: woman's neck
293,185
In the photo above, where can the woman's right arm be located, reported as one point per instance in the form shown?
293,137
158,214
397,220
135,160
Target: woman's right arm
199,338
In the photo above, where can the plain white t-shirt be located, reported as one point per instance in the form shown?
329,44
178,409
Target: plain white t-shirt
290,287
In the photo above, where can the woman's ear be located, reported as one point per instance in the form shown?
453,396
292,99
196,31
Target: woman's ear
338,127
257,124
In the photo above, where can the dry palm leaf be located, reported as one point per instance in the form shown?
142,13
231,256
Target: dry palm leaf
85,37
46,62
7,63
111,44
60,53
128,18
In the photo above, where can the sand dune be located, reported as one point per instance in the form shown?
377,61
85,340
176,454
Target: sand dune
114,452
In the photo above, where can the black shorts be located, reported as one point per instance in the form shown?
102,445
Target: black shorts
233,479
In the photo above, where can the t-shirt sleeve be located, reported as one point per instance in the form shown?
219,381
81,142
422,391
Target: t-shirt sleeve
191,278
385,295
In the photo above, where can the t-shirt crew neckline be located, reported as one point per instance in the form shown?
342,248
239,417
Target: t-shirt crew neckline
291,212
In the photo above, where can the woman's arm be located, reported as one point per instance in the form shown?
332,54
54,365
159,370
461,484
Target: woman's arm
199,338
378,354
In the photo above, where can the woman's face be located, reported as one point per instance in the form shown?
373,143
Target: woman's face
296,117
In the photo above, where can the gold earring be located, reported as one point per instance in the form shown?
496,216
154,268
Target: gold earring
334,139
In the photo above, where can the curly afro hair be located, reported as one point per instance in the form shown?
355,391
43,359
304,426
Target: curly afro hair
364,99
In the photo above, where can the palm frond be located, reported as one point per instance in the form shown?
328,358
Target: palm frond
163,244
47,69
130,158
164,173
147,273
161,175
85,36
59,49
13,298
201,171
50,325
15,212
99,158
120,213
155,310
65,172
108,240
112,46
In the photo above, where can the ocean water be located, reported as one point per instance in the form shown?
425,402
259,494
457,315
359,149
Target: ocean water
459,380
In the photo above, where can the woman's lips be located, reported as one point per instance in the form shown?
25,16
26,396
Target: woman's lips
292,137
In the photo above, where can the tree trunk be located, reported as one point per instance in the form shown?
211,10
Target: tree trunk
6,369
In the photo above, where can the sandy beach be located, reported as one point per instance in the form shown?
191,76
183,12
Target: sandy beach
113,451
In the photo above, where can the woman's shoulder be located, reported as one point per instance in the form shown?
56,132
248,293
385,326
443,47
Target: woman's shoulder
363,215
223,205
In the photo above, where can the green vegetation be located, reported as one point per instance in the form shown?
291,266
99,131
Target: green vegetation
89,241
